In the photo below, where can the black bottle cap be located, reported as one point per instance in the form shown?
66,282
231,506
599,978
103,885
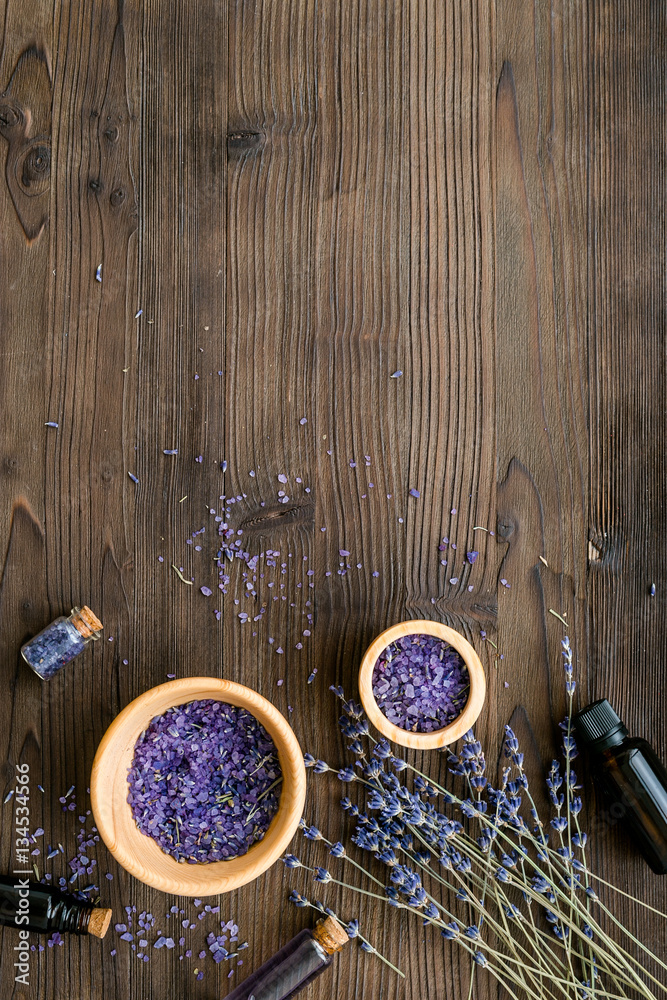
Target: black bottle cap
599,726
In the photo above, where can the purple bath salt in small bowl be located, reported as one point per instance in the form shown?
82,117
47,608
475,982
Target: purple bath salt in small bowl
420,683
205,781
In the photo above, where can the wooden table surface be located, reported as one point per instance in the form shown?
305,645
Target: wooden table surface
299,198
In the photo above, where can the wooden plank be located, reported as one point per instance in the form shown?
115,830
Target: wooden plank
626,321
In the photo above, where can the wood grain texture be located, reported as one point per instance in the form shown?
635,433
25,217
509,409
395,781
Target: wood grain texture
299,199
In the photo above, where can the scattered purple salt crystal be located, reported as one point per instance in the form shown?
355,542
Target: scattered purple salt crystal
170,451
420,683
414,493
109,876
304,420
282,478
206,591
471,556
343,552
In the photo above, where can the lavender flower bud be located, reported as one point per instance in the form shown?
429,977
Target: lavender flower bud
398,764
322,875
312,833
337,850
296,898
451,931
352,928
291,861
347,774
382,750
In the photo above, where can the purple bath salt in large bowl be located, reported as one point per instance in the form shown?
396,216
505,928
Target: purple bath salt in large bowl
198,786
422,684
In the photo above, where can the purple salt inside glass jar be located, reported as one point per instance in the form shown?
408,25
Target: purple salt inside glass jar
420,683
61,641
205,781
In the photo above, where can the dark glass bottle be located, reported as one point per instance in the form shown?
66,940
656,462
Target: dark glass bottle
31,906
295,965
633,777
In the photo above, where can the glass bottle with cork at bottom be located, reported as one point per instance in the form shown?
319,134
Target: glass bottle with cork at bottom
57,644
32,906
295,965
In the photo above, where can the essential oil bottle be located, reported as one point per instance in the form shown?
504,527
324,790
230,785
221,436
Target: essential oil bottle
633,777
295,965
32,906
62,640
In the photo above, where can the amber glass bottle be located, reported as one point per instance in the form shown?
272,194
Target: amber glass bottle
633,777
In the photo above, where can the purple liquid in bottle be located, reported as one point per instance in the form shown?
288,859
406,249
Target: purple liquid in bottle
295,965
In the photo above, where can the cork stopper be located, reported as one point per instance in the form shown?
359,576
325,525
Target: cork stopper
99,921
330,935
86,622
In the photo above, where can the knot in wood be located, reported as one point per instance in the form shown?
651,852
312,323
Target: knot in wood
36,168
117,197
111,133
243,140
10,116
504,528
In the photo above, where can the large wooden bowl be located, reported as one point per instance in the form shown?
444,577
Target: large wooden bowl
461,724
138,853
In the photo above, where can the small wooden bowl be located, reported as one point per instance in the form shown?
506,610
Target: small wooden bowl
461,724
138,853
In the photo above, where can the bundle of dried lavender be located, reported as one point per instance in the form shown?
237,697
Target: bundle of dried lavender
538,920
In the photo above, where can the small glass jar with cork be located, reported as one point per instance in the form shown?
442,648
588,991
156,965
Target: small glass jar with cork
57,644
